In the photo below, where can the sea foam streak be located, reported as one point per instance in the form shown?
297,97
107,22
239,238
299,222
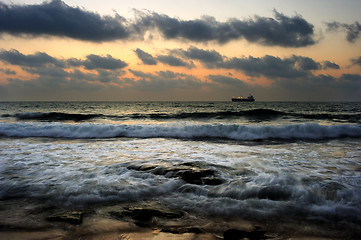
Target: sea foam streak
309,131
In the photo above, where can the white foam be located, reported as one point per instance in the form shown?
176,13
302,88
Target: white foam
225,131
260,180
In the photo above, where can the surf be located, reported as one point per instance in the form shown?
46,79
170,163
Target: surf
240,132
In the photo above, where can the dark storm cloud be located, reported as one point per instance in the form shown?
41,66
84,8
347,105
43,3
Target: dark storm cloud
173,61
107,69
38,59
55,80
331,65
163,80
106,76
304,63
322,83
356,61
169,59
41,59
321,87
356,78
49,71
353,31
279,31
268,66
8,71
206,57
102,62
55,18
146,58
224,80
273,67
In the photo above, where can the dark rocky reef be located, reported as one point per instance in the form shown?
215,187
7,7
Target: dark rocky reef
192,173
143,216
235,234
72,217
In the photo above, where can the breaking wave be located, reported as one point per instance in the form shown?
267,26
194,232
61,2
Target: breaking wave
256,114
54,116
308,131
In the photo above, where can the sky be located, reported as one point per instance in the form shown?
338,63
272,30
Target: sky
190,50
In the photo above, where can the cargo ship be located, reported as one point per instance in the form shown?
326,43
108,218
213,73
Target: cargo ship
250,98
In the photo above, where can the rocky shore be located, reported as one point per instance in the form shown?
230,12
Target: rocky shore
29,219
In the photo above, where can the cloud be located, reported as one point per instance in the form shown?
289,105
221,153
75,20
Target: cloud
294,74
146,58
169,59
163,80
49,71
328,64
323,83
8,71
56,18
268,66
356,61
279,31
273,67
100,62
226,81
352,78
173,61
56,72
207,57
353,31
38,59
41,59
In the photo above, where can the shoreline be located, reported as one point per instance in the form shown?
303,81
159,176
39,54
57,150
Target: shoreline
25,219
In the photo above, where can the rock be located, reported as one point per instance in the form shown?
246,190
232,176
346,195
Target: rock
212,181
180,230
146,214
235,234
73,217
193,173
275,193
199,176
143,216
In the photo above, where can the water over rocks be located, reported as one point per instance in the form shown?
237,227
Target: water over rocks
192,172
72,217
235,234
144,216
32,219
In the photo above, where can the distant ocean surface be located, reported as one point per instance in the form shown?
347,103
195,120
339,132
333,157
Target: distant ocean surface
294,161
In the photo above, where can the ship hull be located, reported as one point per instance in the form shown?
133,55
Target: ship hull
242,100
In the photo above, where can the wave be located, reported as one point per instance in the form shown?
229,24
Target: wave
53,116
310,131
253,114
221,114
58,116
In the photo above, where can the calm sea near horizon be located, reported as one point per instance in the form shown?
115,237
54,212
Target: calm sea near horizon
297,162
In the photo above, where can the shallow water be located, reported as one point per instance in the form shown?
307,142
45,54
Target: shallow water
291,162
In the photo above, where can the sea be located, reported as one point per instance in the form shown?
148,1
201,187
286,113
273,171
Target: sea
296,162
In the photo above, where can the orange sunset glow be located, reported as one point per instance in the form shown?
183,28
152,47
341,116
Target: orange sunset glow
141,50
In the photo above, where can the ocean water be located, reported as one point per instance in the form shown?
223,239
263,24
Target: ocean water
261,161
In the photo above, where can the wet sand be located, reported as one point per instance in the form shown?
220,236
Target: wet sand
29,219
